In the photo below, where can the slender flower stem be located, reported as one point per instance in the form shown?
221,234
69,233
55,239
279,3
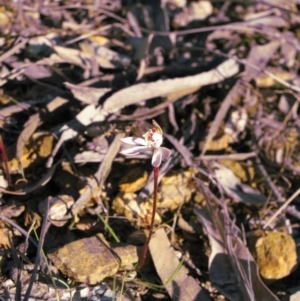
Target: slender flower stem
151,140
5,160
146,245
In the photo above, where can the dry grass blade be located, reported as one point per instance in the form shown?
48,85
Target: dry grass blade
45,227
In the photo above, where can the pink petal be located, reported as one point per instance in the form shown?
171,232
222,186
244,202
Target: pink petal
133,150
134,141
157,157
165,153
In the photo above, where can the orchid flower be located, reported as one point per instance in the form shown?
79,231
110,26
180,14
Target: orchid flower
151,140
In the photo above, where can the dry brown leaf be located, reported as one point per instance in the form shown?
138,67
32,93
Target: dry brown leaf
289,51
106,57
88,156
144,91
288,5
178,284
8,111
276,255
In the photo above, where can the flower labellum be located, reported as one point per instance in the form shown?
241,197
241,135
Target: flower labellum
152,140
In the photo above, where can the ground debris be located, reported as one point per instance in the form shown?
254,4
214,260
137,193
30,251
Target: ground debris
222,81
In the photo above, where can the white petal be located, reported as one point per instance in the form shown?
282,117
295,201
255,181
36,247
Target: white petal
133,150
157,157
165,153
134,141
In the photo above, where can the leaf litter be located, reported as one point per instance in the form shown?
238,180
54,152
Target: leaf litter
222,81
